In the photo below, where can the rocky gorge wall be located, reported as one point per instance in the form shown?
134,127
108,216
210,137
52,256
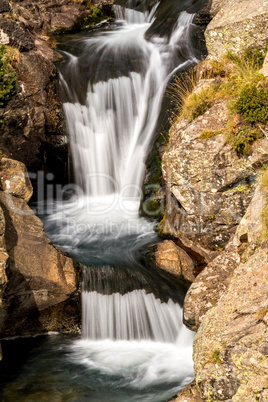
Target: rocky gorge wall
216,201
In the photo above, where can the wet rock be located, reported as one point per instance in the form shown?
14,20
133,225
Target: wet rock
237,29
16,34
209,186
212,283
14,179
39,275
174,260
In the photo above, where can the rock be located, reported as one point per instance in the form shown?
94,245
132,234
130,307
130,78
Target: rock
39,275
4,6
174,260
237,29
50,16
230,348
14,179
264,69
188,394
16,34
209,187
212,283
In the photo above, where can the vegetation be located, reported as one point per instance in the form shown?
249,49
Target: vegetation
8,80
236,79
209,134
94,18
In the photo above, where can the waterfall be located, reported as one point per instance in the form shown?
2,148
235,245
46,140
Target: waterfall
111,130
112,85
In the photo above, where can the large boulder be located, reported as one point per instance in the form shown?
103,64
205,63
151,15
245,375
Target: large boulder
173,259
236,28
209,186
39,275
214,280
231,346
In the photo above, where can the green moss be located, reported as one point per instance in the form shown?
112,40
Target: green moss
216,356
8,81
242,141
206,134
253,103
94,18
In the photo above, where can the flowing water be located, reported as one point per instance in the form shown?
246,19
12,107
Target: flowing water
134,346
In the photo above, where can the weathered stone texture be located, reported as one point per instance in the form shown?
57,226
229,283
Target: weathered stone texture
214,280
209,185
237,27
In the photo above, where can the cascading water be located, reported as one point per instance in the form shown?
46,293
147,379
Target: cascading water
134,346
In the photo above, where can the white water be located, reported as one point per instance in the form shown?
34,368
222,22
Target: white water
110,135
133,336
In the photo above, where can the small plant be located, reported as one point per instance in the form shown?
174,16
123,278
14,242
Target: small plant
253,103
242,141
8,80
95,17
216,356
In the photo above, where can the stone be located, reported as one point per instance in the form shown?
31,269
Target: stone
4,6
230,356
16,34
209,186
40,276
212,283
188,394
171,258
264,69
237,29
14,179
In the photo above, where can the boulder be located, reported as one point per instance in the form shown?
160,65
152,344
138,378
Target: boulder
209,186
237,29
39,275
171,258
16,34
14,179
212,283
231,346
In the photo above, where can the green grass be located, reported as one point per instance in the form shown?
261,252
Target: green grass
206,134
246,93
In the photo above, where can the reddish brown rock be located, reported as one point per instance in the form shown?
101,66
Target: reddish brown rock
39,275
174,260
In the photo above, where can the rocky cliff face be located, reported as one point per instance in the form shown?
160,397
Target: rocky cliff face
218,202
35,275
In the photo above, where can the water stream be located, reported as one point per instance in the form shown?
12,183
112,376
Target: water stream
134,346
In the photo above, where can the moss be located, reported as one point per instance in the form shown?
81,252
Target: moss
8,80
216,356
242,141
253,103
94,18
206,134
